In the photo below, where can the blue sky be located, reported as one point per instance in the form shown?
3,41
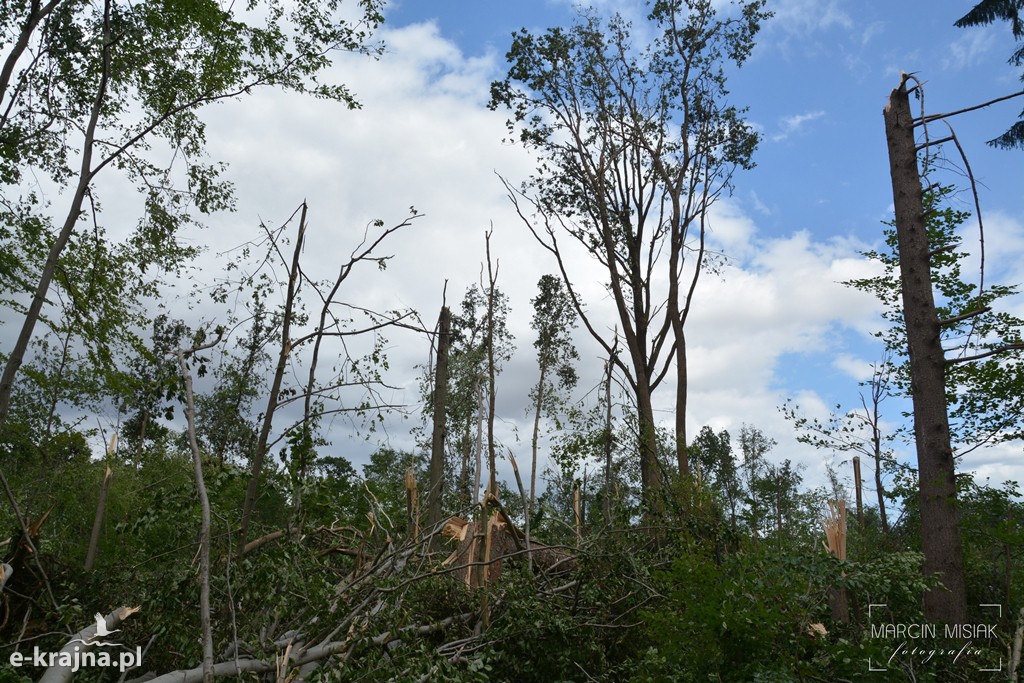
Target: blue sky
775,325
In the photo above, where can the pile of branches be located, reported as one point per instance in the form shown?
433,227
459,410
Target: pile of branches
397,593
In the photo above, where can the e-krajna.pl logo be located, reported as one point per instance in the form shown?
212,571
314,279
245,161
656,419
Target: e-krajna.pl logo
81,656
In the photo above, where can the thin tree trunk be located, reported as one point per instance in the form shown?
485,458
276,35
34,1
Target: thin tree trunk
527,513
877,447
940,529
204,534
1015,649
85,174
608,443
857,491
536,435
101,508
492,275
275,389
682,380
435,488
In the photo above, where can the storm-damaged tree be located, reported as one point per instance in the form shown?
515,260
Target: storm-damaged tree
635,143
467,382
976,377
88,87
716,465
439,411
300,349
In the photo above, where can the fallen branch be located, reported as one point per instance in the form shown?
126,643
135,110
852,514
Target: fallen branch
263,540
297,656
81,642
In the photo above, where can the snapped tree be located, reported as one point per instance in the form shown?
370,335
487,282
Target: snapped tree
977,379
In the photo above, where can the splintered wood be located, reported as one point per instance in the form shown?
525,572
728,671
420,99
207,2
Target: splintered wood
834,522
506,543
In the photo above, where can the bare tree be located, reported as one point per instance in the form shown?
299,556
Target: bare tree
859,431
314,393
440,404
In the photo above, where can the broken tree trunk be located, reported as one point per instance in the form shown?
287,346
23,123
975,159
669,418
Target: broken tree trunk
835,531
101,508
940,528
81,642
507,543
440,402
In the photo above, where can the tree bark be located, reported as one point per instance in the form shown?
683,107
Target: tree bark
608,442
64,674
876,448
650,473
492,277
536,437
439,406
97,523
940,529
204,533
858,492
275,388
85,175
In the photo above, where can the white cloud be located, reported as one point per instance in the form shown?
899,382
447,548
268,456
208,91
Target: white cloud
857,368
872,30
804,17
425,138
969,49
792,125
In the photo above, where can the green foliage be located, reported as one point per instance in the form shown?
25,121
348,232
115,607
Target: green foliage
554,320
985,396
467,381
88,87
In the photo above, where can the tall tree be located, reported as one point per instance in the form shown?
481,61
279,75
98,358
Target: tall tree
553,320
636,143
716,464
757,472
87,87
467,379
940,528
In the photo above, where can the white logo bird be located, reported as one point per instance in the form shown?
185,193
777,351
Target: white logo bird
101,627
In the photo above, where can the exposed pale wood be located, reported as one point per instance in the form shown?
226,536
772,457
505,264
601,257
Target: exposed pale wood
834,522
101,506
81,641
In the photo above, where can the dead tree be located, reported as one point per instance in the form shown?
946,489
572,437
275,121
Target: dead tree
940,525
314,392
440,416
